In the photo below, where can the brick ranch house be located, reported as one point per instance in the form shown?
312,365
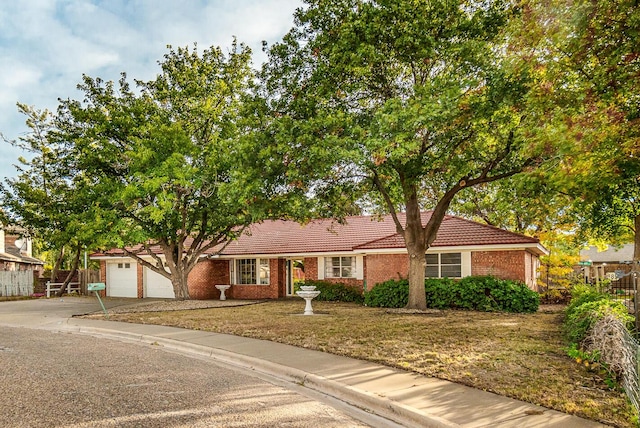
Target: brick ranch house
362,252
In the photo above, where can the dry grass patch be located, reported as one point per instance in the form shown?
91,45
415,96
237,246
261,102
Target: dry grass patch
516,355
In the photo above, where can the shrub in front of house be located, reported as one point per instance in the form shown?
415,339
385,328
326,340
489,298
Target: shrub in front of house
388,294
334,292
491,294
440,292
480,293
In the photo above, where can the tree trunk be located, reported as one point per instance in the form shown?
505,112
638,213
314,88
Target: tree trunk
72,272
180,286
417,247
57,264
417,265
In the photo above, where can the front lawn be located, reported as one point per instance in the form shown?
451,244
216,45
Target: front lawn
516,355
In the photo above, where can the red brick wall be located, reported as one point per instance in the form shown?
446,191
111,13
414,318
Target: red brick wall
103,276
311,268
140,279
103,271
205,275
10,241
502,264
383,267
279,275
253,292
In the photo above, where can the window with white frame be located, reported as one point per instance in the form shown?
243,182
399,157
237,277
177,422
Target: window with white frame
339,267
250,271
443,265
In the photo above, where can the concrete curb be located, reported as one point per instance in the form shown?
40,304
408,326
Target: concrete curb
381,406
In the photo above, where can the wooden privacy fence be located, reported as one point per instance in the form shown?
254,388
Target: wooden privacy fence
87,276
16,283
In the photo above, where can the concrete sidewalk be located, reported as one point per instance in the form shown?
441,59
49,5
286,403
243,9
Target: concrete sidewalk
408,399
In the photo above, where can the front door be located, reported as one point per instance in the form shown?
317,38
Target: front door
295,272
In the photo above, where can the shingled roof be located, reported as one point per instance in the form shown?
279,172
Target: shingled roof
358,233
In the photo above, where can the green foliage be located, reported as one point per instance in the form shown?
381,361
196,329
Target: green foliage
592,65
408,102
580,355
581,294
588,305
388,294
580,318
334,292
478,293
591,361
50,198
440,292
175,162
487,293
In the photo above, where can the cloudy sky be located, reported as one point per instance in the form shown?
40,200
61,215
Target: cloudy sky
46,45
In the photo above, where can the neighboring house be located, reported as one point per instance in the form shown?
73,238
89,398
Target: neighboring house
598,264
362,252
16,251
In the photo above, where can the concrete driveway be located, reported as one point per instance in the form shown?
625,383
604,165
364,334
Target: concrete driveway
43,313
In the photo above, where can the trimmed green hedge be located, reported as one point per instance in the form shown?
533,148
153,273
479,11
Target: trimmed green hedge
334,292
480,293
587,306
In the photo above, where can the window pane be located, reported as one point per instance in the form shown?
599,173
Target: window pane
264,271
339,267
451,271
432,259
347,272
328,267
451,258
432,272
247,271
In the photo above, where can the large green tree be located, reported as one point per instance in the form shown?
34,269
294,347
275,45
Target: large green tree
49,198
592,51
173,158
605,55
409,101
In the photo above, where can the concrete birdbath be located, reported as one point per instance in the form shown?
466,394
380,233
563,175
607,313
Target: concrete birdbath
223,288
308,292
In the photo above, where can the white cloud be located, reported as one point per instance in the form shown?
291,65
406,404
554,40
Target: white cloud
46,45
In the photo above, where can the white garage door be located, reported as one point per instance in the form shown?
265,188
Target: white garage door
156,285
122,280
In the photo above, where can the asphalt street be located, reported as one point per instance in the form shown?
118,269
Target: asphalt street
52,379
61,371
